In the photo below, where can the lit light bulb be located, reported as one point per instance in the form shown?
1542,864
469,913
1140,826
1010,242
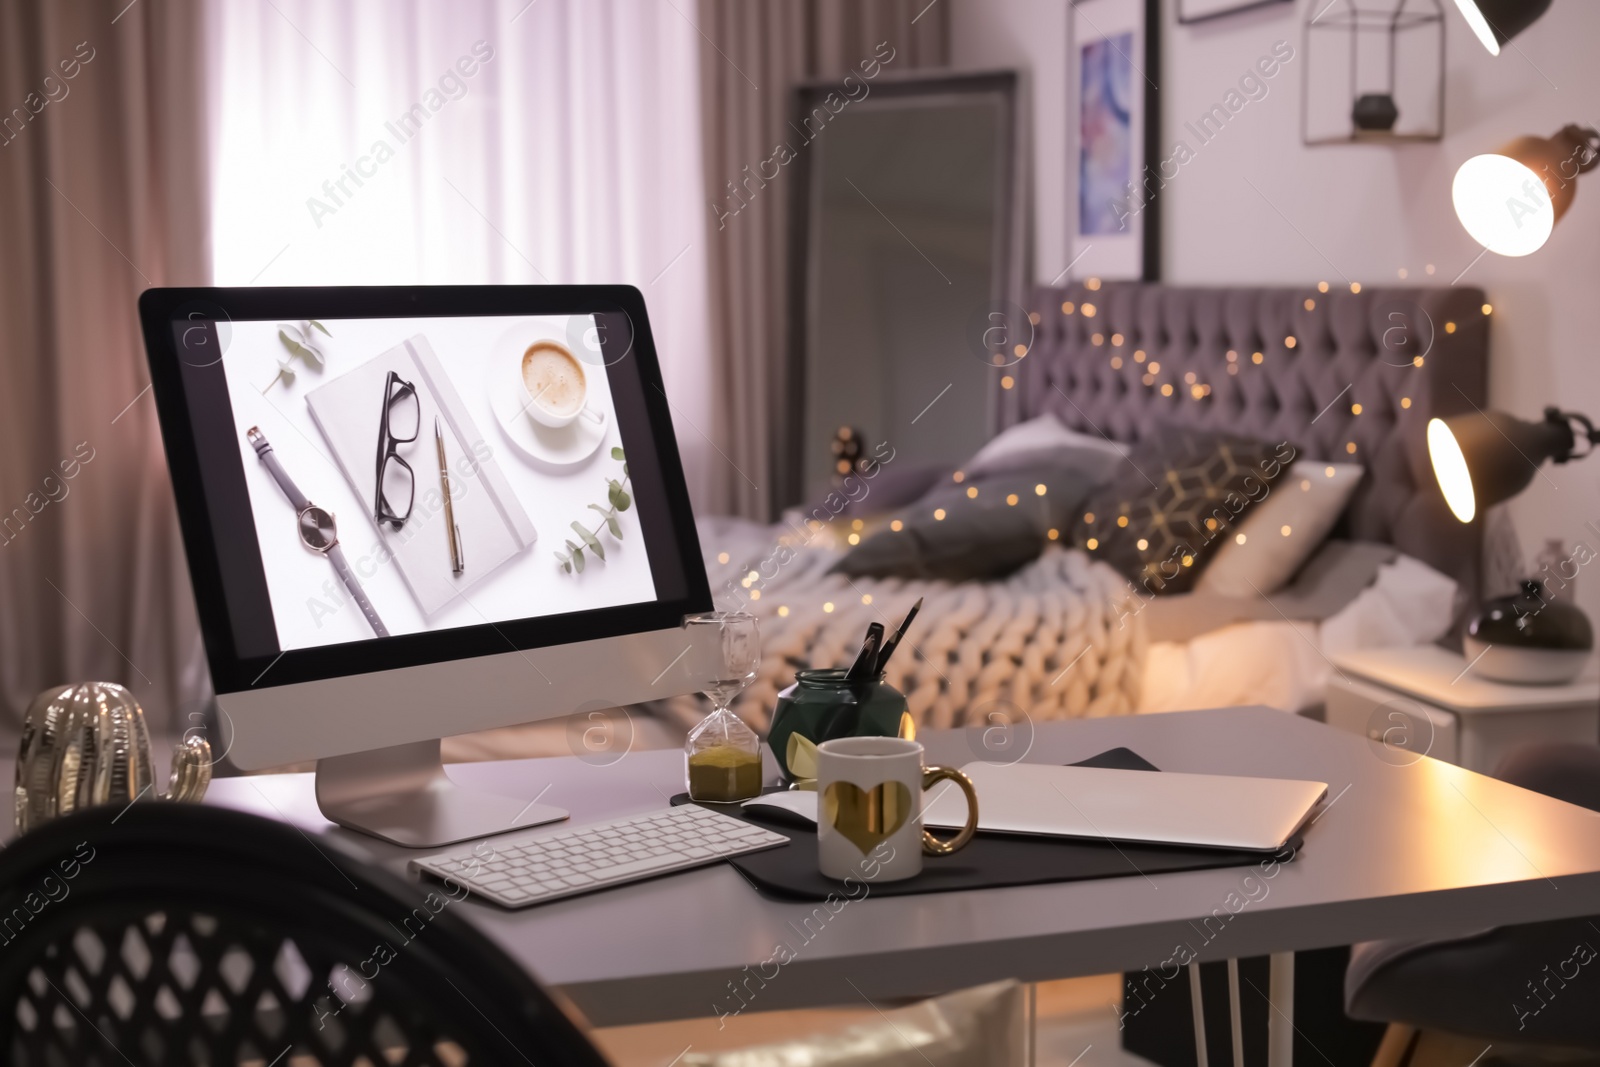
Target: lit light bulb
1450,468
1479,24
1503,204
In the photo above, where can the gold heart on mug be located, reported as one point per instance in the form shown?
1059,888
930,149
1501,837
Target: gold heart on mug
866,817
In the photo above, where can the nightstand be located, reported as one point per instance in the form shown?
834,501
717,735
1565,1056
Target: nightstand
1426,701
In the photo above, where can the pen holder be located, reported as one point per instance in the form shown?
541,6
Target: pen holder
821,705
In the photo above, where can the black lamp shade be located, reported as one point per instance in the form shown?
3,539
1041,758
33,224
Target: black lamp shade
1488,456
1556,160
1511,200
1497,21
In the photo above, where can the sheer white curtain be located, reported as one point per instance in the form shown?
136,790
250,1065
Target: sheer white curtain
480,141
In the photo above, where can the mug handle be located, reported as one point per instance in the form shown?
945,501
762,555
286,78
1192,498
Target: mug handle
932,776
590,415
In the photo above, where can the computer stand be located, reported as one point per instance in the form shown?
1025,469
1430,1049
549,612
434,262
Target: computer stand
402,795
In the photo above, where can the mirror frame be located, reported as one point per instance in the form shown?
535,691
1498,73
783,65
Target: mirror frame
1007,283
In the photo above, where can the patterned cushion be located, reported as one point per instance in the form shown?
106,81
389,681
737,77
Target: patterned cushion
1171,510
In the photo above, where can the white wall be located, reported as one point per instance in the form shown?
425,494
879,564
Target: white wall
1365,212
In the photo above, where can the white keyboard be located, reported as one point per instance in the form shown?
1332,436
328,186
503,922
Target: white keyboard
598,856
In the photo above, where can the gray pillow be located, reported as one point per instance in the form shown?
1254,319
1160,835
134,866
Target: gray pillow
979,537
891,486
1099,464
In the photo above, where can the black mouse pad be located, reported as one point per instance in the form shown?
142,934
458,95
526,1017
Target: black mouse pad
989,861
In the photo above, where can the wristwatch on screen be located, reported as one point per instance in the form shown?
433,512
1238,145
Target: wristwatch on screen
317,529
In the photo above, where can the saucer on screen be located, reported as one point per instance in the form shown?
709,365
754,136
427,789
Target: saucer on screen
562,447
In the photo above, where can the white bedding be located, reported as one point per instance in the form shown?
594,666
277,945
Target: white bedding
1287,664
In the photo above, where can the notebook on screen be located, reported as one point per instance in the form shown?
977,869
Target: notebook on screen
494,526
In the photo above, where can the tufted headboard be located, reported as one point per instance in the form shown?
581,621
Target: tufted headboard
1341,375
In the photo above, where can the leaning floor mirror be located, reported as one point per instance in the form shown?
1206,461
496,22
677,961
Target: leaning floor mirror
907,271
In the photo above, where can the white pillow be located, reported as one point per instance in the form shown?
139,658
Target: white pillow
1281,532
1037,435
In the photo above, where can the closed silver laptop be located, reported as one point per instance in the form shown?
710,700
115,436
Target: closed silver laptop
1146,807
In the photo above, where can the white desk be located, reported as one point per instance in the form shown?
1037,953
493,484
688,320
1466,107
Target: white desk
1423,850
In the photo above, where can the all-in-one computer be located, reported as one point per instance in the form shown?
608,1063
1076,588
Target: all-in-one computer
417,512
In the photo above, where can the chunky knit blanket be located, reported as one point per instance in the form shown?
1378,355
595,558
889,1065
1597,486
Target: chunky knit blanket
1062,638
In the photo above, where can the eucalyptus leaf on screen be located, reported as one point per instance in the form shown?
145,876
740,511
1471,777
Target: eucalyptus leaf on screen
294,339
589,539
296,342
617,501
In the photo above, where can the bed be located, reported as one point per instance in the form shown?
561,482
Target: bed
1404,355
1343,375
1376,347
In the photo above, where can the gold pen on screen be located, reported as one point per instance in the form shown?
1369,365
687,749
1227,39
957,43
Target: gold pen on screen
458,559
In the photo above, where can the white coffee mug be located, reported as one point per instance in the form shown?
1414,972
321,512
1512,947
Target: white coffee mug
869,809
536,405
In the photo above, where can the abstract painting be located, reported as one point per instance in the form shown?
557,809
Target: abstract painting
1105,138
1113,113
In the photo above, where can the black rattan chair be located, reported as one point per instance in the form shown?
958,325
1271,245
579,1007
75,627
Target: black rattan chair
182,934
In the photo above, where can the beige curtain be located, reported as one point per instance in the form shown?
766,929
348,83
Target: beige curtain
754,52
102,195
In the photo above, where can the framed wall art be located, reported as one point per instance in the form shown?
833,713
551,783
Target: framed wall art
1113,139
1190,11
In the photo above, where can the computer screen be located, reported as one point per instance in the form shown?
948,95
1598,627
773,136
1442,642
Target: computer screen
379,478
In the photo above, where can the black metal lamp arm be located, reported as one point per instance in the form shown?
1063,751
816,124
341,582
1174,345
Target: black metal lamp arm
1578,427
1585,141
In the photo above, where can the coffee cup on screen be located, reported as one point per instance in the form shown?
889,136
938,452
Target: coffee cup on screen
556,385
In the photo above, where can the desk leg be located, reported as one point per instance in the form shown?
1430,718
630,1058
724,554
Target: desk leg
1280,1023
1199,1007
1233,1011
1033,1024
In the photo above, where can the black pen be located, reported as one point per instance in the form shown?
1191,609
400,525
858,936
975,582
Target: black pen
894,642
865,666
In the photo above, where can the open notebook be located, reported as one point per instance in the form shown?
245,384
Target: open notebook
494,527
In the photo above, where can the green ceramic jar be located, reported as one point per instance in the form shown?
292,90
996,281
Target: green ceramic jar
821,706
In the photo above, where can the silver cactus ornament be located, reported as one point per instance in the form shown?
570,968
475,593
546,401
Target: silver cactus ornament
87,744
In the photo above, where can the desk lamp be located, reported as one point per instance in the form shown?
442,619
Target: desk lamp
1479,460
1488,456
1510,200
1497,21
